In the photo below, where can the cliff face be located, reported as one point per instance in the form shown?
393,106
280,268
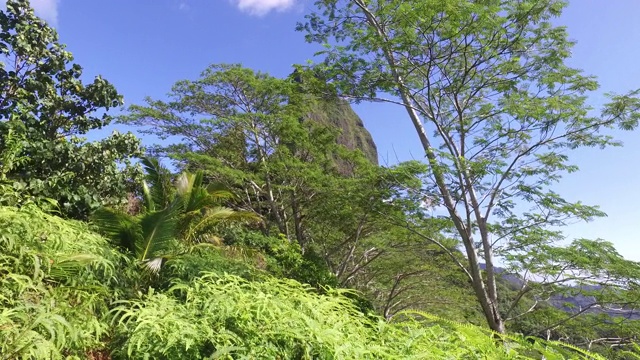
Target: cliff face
353,134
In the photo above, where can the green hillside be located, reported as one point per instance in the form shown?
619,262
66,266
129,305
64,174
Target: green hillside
245,216
66,293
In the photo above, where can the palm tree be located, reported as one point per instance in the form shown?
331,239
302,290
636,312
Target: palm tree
201,209
186,211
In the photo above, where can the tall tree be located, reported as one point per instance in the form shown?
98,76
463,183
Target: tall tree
497,110
44,107
245,129
376,234
249,131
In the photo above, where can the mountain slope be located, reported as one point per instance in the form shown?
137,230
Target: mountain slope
353,134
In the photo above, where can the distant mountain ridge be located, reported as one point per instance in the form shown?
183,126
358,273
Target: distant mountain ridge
571,302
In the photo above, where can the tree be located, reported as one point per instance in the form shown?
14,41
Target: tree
489,79
358,224
245,130
44,107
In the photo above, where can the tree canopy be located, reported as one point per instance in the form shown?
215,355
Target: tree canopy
44,109
497,110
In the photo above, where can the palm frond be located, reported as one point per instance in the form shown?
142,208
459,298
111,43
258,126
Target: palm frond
199,199
123,229
69,267
198,178
158,230
195,196
147,197
199,223
184,184
185,189
154,264
159,179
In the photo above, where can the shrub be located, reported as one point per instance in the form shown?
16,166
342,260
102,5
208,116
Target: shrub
65,293
227,317
57,280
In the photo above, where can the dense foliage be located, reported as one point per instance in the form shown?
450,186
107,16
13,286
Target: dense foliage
66,293
58,281
44,109
278,236
497,110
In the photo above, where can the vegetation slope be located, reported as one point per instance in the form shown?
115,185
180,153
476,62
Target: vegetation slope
67,293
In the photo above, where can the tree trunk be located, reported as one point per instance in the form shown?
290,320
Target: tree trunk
486,297
269,188
297,220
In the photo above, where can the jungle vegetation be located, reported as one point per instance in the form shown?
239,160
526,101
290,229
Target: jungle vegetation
257,230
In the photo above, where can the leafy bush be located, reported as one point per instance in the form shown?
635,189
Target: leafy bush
66,294
227,317
57,280
283,258
197,260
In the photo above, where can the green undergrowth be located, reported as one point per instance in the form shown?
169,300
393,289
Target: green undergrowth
222,316
66,293
57,281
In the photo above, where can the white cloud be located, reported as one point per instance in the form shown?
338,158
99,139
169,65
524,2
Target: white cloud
262,7
45,9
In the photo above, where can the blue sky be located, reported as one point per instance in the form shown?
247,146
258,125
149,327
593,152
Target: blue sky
144,46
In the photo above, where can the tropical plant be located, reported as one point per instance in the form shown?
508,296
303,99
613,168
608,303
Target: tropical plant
184,211
57,280
227,317
246,130
202,210
253,133
65,294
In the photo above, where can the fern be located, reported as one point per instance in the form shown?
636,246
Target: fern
57,280
64,293
225,316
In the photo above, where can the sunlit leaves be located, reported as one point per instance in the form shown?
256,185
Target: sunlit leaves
57,282
496,107
223,314
43,100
